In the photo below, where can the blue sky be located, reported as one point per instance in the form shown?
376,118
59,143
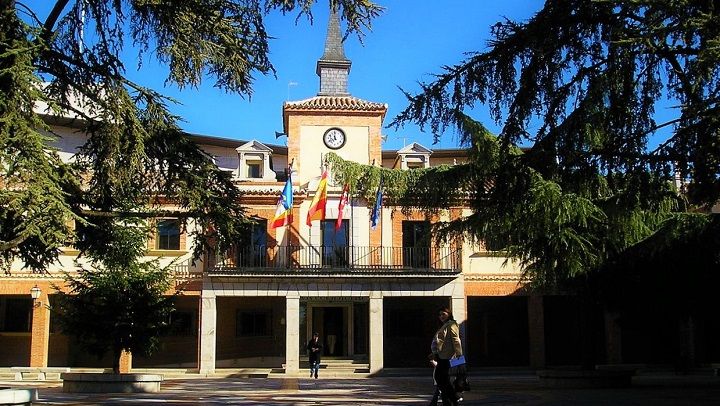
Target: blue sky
409,42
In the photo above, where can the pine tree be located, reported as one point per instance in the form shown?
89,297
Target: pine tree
135,156
572,183
571,179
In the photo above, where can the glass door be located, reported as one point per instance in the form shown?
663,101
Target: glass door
335,244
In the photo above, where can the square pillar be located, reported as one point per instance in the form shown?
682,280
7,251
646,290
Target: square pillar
613,338
376,332
208,333
536,329
292,335
40,332
458,307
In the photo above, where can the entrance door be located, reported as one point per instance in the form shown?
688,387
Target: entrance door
332,324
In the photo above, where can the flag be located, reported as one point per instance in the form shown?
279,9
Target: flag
375,215
343,201
317,207
283,214
278,134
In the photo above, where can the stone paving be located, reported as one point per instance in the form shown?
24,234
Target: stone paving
487,390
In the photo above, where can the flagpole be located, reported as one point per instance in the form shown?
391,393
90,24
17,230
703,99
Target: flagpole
380,226
288,261
289,175
350,224
380,221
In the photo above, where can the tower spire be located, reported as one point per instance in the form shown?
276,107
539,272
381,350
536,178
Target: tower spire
333,67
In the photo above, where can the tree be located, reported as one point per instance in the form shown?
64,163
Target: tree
136,164
136,158
118,303
573,179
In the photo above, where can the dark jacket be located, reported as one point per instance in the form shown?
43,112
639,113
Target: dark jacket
314,350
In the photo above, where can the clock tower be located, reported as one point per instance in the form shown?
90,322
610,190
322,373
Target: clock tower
333,120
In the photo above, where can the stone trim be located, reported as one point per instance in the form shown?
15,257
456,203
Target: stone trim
334,288
493,277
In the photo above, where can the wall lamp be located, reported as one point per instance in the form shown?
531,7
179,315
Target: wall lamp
35,295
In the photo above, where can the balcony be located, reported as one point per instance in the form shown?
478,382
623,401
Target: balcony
336,261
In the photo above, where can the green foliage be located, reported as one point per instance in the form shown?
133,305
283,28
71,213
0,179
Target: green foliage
577,86
118,302
416,187
558,230
33,181
580,82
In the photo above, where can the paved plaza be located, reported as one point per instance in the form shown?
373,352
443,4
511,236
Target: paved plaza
415,390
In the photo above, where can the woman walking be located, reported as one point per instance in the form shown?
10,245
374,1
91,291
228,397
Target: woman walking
445,345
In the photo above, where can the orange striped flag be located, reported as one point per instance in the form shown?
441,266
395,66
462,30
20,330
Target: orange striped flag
317,207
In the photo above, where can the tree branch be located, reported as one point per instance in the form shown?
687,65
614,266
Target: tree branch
52,19
29,12
8,245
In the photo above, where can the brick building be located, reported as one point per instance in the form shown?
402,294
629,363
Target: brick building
371,294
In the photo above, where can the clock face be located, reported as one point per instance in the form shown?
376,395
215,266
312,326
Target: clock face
334,138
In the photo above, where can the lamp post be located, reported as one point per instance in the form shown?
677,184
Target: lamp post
35,295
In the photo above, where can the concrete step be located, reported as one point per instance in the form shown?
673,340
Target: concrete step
166,372
338,363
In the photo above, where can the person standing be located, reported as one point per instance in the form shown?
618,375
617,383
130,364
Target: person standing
314,348
445,345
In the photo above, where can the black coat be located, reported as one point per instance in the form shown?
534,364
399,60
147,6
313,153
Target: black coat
314,350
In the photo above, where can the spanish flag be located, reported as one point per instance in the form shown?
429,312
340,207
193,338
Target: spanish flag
317,207
283,213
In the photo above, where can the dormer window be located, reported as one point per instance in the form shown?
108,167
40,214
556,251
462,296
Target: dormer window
254,166
254,162
415,162
413,156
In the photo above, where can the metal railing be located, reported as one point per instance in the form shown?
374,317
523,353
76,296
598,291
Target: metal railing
351,258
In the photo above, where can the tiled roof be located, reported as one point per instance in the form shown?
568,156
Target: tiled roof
335,103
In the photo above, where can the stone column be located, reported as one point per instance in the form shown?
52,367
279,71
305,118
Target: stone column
292,335
376,332
457,305
208,332
40,335
536,330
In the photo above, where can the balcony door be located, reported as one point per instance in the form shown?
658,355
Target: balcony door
335,244
416,244
255,253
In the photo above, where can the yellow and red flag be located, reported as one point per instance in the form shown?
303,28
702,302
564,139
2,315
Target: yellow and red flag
317,207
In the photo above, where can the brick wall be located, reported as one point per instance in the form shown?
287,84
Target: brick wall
296,120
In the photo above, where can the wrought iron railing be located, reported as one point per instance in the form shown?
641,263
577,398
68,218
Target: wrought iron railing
338,258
